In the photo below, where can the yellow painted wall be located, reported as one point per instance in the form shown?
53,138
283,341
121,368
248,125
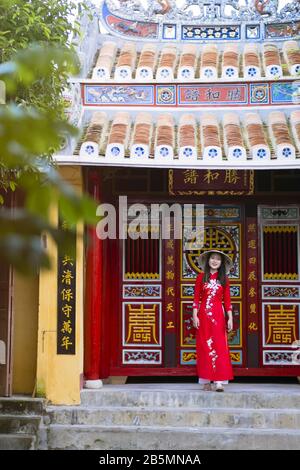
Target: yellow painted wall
25,321
58,376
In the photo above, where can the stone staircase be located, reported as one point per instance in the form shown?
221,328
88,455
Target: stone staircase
177,417
20,418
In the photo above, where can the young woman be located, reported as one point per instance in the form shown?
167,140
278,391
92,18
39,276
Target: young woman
211,291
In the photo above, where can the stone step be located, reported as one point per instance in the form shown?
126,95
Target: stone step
191,396
27,424
164,416
17,442
168,438
21,405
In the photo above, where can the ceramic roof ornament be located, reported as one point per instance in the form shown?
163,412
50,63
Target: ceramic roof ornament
227,260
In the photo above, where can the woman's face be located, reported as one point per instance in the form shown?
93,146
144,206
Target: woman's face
215,261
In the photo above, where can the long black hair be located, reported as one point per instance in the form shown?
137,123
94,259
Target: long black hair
221,271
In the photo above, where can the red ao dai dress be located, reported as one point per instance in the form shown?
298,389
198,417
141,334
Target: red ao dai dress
213,359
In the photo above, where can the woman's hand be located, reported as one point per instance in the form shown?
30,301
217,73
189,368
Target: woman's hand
196,321
229,324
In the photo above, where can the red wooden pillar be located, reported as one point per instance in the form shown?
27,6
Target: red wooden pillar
93,291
